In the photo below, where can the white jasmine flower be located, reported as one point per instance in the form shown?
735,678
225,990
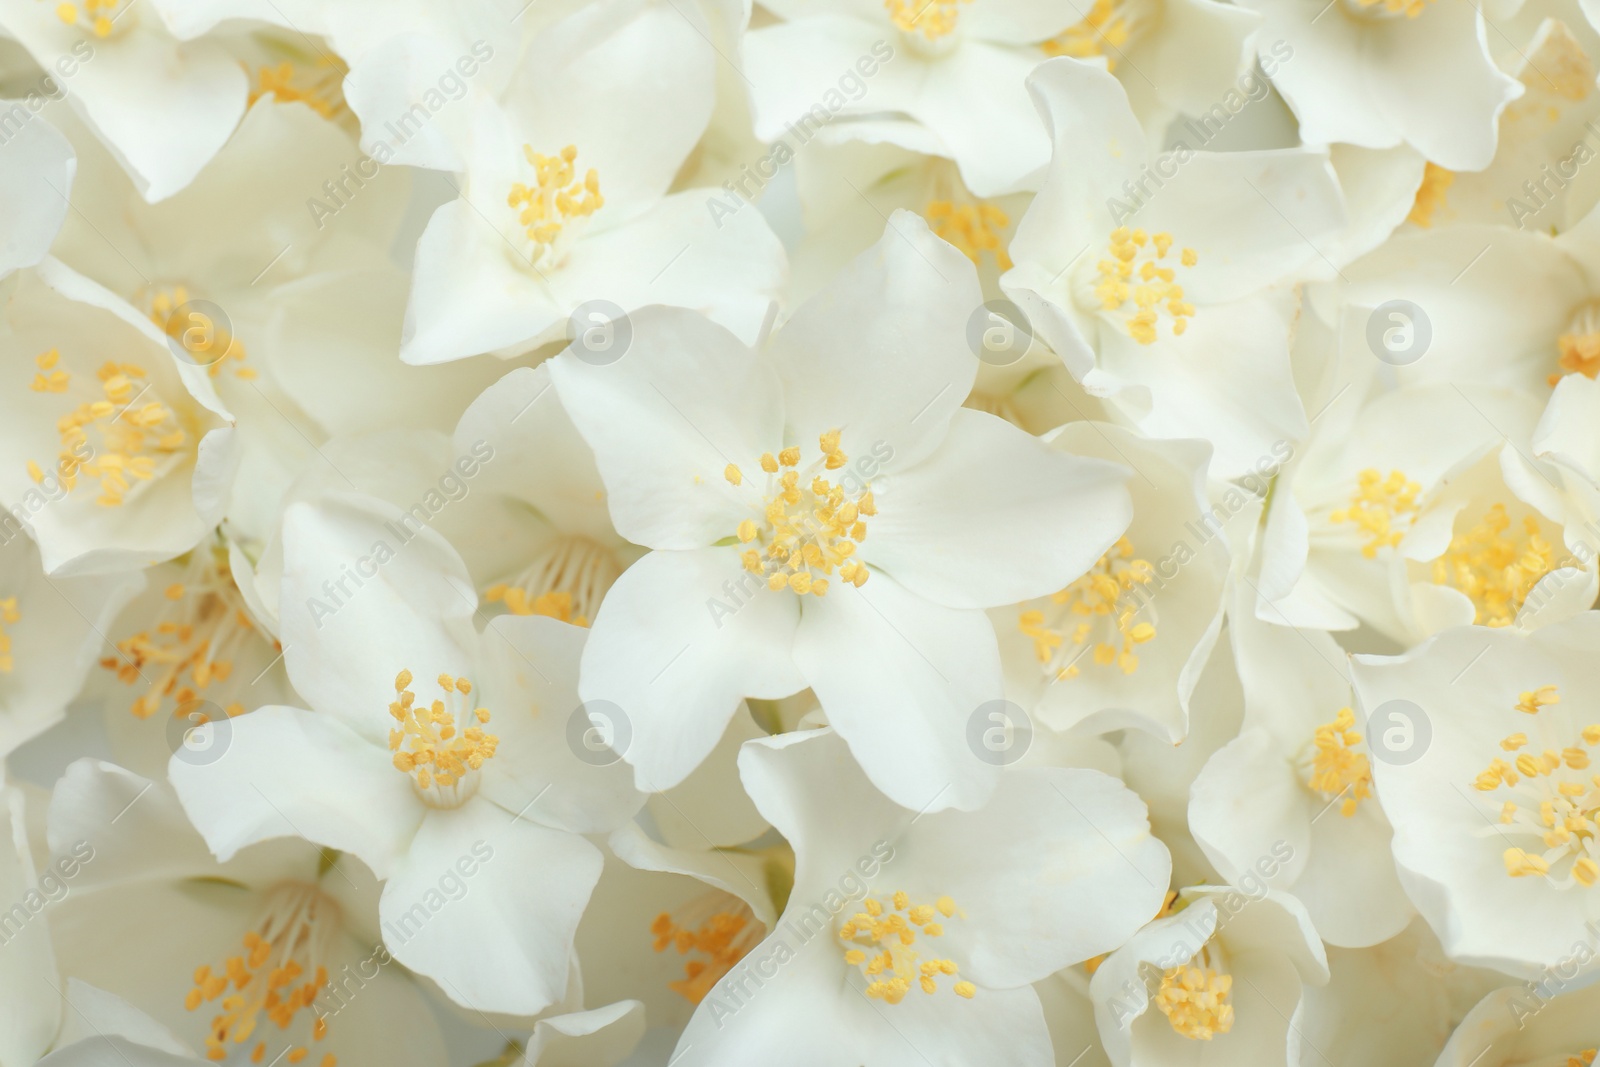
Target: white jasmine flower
771,486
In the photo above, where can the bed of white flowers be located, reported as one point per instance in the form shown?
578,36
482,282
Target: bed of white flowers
811,533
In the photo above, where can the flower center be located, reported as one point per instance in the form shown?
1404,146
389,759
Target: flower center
433,746
208,342
97,15
1496,571
278,975
552,210
1138,278
1544,795
1388,8
1582,1059
1194,997
196,636
322,89
1106,29
716,930
806,530
136,441
1436,182
1334,768
566,579
9,616
882,942
932,20
1579,347
973,227
1375,505
1101,605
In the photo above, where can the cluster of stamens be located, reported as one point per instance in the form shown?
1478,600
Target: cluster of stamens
278,975
1579,347
199,631
807,529
1546,795
323,92
1436,183
932,19
1375,505
10,615
1496,571
1108,25
1195,998
882,939
1334,768
974,228
208,342
1409,8
566,579
1135,274
1102,600
97,15
716,930
432,746
135,439
555,201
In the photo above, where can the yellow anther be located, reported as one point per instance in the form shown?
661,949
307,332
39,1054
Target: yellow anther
1103,604
731,472
1496,571
1195,1001
322,90
555,203
932,19
1375,505
430,744
1334,768
1431,195
716,931
1409,8
881,941
973,228
1149,288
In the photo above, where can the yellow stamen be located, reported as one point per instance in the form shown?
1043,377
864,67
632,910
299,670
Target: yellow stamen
1139,273
555,202
879,941
1375,505
440,745
1496,571
1109,598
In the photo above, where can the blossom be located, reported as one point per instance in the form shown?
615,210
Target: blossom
757,478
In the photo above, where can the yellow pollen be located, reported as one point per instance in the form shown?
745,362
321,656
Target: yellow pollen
1375,505
716,931
277,975
208,342
1544,800
566,578
1578,349
323,92
439,745
9,616
1108,599
1582,1059
1496,571
1409,8
806,528
97,15
198,633
879,941
1436,182
137,435
1104,31
555,201
933,19
1139,273
1195,1001
1335,769
974,228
